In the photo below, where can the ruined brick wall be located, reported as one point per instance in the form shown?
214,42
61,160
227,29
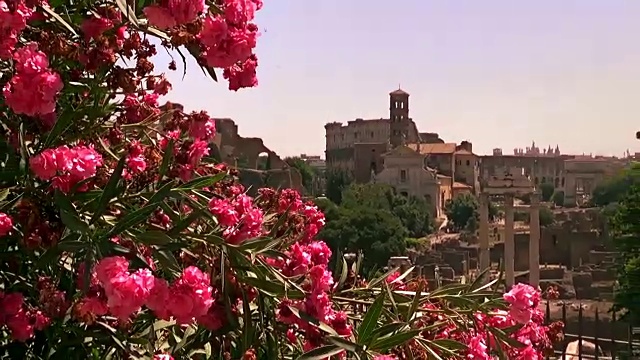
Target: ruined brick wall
367,158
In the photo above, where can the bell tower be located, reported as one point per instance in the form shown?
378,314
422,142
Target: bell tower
399,117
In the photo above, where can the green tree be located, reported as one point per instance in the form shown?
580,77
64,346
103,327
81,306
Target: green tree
377,196
558,198
413,212
375,232
614,189
307,172
546,191
337,181
463,211
625,230
546,216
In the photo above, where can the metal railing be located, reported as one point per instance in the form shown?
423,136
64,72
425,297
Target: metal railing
611,337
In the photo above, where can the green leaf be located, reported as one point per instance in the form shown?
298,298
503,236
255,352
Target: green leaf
69,215
384,344
382,278
166,160
344,272
167,260
110,190
154,237
58,18
344,343
404,275
132,219
161,194
202,182
388,329
415,303
272,287
370,320
321,353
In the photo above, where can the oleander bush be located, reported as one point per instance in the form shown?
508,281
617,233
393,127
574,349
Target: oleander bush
121,238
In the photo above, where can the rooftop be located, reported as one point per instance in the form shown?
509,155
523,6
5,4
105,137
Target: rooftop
439,148
399,92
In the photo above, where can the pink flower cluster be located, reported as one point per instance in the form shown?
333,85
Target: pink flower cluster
126,292
6,224
65,166
170,13
21,322
310,259
188,299
229,40
523,302
34,87
12,21
239,217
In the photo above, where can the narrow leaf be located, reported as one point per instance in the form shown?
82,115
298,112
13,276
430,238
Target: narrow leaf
370,320
69,215
109,191
321,353
202,182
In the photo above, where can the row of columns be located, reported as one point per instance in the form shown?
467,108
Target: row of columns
509,241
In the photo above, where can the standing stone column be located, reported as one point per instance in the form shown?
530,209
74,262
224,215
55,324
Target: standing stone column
534,240
509,242
484,257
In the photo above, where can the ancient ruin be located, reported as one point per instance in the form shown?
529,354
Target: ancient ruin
506,184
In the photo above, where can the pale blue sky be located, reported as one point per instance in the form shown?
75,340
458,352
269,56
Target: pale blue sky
499,73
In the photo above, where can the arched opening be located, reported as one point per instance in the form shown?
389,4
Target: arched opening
557,182
263,161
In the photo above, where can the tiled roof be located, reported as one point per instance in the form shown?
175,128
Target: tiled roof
440,148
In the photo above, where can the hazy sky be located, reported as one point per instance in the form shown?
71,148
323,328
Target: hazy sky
499,73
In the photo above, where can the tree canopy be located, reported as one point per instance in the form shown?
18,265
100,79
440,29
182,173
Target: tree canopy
546,191
373,219
614,189
375,232
625,230
337,181
464,214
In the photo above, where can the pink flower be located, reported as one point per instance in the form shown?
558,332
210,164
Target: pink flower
177,12
20,327
110,268
92,306
477,348
242,75
197,150
33,94
6,224
191,295
397,285
159,17
162,357
29,60
186,11
523,299
159,298
94,27
224,211
384,357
